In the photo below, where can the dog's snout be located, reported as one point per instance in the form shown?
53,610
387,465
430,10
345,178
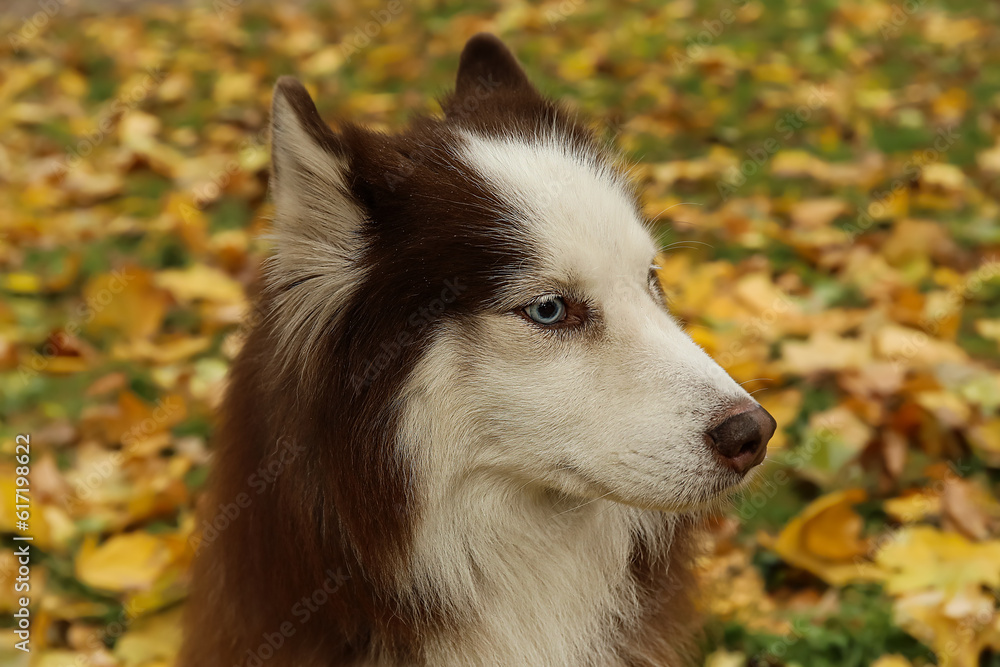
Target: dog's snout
741,439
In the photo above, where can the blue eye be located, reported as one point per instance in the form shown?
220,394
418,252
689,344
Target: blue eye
548,312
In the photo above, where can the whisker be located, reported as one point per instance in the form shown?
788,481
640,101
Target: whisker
680,203
572,509
686,241
676,223
756,380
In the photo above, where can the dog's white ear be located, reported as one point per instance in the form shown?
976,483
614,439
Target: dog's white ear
485,65
303,146
315,212
316,223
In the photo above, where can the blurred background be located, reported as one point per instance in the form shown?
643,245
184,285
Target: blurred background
826,180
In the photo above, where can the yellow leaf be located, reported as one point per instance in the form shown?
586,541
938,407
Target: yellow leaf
175,87
923,558
957,627
912,239
774,72
968,508
22,283
812,213
324,62
825,539
825,351
151,640
233,87
989,160
947,407
945,176
915,348
125,300
833,534
894,205
89,184
128,562
57,658
65,365
167,352
189,221
200,282
578,66
759,293
914,506
72,83
951,106
138,128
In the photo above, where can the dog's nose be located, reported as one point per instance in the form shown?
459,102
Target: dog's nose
741,439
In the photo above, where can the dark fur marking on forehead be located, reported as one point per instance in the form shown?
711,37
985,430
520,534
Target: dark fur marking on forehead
493,96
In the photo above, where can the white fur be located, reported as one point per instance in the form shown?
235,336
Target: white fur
542,455
539,575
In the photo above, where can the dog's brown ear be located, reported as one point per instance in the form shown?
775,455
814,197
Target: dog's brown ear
487,65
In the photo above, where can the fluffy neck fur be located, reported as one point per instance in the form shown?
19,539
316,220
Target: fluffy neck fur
536,579
526,575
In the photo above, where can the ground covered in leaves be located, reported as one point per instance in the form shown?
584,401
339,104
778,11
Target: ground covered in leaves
826,177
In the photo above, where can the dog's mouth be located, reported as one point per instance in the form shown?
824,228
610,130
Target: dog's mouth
719,495
717,490
722,489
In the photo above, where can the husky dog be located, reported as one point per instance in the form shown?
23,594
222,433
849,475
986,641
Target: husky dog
464,429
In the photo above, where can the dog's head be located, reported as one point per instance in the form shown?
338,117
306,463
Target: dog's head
486,285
